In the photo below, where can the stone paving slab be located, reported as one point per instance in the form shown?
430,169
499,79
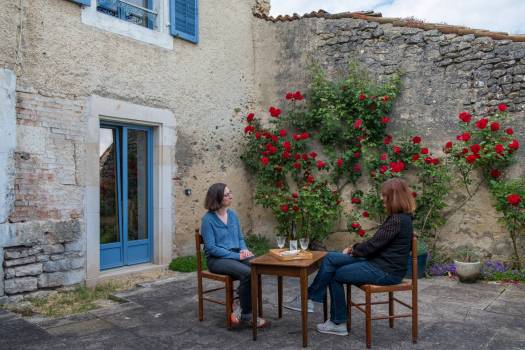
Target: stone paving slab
163,315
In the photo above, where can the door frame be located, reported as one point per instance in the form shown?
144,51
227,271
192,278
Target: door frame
162,122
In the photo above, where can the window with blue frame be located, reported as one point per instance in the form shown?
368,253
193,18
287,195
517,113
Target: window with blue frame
183,14
140,12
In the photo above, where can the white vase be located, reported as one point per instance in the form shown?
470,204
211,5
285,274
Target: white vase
468,272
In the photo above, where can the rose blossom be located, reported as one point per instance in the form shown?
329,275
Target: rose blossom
514,199
250,117
465,117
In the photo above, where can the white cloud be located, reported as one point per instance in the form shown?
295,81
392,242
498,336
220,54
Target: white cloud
502,15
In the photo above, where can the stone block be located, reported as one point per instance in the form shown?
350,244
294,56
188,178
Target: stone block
55,279
21,252
24,270
74,277
1,272
63,264
42,257
53,248
78,246
21,261
20,285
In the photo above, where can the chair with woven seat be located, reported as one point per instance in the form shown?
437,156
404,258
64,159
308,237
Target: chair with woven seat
369,289
225,279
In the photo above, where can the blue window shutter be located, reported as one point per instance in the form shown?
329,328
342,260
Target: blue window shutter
184,19
82,2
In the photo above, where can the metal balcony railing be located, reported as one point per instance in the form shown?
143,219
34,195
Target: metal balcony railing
129,12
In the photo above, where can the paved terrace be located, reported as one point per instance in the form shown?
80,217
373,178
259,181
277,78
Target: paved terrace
163,315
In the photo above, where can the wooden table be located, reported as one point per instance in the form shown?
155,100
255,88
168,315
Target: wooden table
269,265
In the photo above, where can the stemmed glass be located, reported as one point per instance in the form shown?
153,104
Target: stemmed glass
281,240
304,241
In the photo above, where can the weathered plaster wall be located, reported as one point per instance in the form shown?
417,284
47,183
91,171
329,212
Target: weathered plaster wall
443,75
7,149
62,62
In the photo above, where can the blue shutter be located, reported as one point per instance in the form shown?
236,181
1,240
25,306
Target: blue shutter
184,18
82,2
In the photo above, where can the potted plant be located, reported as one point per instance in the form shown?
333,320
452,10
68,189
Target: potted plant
422,257
468,265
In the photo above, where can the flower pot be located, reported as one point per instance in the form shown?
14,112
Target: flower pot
468,272
421,265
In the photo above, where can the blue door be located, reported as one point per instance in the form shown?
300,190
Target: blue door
126,186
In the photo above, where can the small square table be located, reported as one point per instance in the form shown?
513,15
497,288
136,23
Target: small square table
270,265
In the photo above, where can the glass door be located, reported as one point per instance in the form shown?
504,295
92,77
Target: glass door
126,163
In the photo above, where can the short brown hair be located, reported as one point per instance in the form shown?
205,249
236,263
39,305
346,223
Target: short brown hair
214,197
398,197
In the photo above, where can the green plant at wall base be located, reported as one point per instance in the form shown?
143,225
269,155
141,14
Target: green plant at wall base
509,196
187,263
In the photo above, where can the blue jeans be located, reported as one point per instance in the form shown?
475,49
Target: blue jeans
337,269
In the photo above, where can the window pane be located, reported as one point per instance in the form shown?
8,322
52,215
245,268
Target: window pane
137,185
109,220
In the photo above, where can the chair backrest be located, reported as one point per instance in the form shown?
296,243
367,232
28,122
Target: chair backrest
198,243
414,260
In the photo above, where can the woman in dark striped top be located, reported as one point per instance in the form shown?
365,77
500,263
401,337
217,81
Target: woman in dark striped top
381,259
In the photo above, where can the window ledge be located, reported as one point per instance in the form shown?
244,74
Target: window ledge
92,17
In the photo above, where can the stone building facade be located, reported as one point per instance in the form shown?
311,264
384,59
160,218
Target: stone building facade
68,70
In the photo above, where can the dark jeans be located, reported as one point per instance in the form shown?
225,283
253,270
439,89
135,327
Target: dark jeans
238,270
339,268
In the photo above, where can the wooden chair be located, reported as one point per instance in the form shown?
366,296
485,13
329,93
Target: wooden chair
226,280
369,289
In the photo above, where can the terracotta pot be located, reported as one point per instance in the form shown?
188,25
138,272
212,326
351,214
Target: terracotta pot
468,272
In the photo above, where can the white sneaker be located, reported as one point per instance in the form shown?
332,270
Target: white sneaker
331,328
295,304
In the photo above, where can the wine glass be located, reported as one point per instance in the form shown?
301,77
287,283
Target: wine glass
304,243
281,240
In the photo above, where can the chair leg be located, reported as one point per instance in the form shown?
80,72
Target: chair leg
414,318
349,307
368,315
200,296
391,309
229,302
325,307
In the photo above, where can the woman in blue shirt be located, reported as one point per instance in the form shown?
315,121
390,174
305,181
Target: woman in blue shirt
226,251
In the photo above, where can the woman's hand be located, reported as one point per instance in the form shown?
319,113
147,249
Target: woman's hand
347,250
245,253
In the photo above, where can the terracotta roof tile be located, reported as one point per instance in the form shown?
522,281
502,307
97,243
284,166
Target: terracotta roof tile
372,16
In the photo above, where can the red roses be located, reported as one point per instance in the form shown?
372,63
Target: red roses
274,112
465,117
514,199
294,96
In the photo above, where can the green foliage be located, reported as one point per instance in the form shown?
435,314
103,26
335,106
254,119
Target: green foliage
187,263
81,299
427,175
513,214
509,275
488,146
466,254
342,116
257,244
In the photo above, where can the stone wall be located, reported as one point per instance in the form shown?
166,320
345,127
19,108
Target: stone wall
443,74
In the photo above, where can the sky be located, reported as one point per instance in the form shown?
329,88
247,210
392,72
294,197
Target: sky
495,15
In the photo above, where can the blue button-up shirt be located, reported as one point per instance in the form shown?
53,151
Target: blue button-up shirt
220,239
